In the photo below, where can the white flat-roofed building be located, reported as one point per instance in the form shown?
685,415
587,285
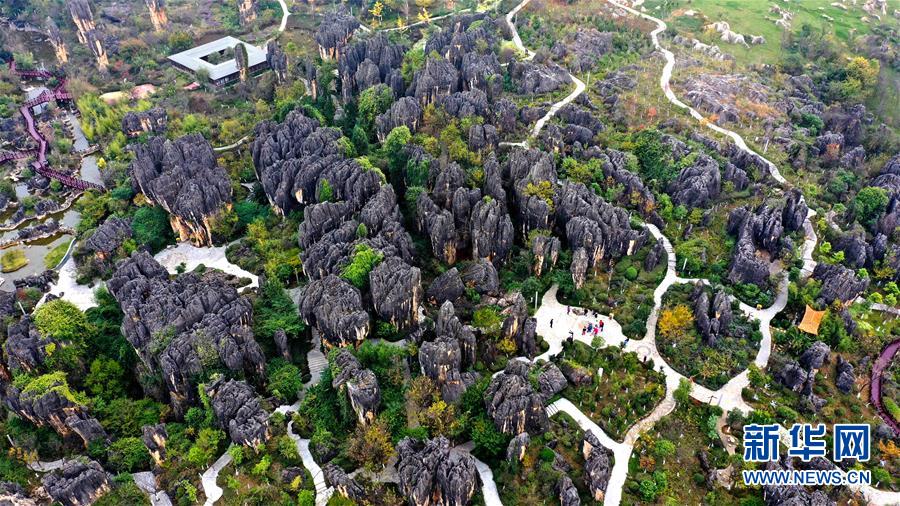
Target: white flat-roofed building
210,56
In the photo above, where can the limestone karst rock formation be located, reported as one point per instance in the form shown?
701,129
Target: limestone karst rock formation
292,157
242,61
55,407
513,404
77,483
839,283
519,327
713,318
182,177
370,62
334,307
247,11
491,231
25,348
697,185
515,451
446,287
96,253
568,494
154,438
88,32
179,326
431,474
343,484
152,120
404,112
447,359
238,412
597,465
277,60
334,32
481,276
360,385
158,15
56,40
14,494
545,251
846,377
396,292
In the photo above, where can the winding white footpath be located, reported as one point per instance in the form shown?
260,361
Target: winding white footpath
323,491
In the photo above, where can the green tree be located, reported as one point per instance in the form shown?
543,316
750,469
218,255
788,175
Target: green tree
489,442
364,259
653,156
373,101
325,193
284,380
663,448
682,394
105,379
151,228
128,454
395,148
869,204
65,323
274,310
370,446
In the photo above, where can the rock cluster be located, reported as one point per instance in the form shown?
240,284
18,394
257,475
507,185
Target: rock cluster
77,483
717,94
615,166
178,327
53,406
182,177
597,465
334,307
158,15
152,120
154,438
247,10
430,473
711,319
13,494
88,32
396,292
838,283
446,287
25,349
342,483
536,79
697,185
513,404
97,253
277,60
56,40
777,495
404,112
800,375
371,62
238,411
360,385
846,378
293,157
545,251
447,359
520,328
334,32
762,229
586,48
889,180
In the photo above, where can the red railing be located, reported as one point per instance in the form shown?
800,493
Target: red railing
882,363
40,165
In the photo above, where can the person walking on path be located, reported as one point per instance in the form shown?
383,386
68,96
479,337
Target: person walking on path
551,323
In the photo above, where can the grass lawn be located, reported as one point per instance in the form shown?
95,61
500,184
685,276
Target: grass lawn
55,255
626,392
13,260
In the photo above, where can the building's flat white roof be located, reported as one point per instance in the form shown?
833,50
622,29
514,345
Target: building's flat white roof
193,58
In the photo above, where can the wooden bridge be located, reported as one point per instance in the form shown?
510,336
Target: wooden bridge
60,94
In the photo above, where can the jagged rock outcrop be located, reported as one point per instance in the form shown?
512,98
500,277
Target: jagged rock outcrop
182,177
482,277
178,327
838,283
889,180
536,79
155,438
437,79
404,112
491,230
446,287
342,483
371,62
152,120
360,384
158,15
597,465
519,328
515,450
99,249
25,349
334,32
282,345
247,11
396,292
815,356
846,378
697,185
778,495
242,61
568,494
761,229
88,32
277,60
452,352
292,159
56,40
12,494
586,48
551,380
545,251
794,212
238,412
513,404
615,166
792,376
656,255
54,406
438,225
431,474
334,307
712,320
77,483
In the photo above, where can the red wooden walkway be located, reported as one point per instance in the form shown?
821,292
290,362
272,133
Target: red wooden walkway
881,364
40,165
